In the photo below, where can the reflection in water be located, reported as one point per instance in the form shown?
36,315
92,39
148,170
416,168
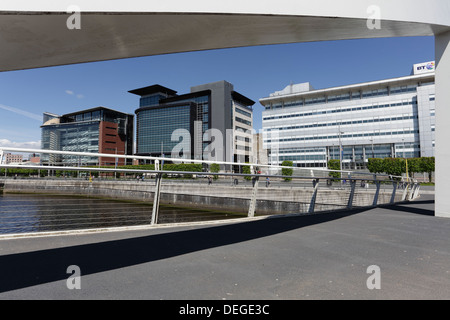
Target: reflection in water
37,213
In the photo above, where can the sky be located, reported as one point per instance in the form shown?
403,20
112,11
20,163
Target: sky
254,71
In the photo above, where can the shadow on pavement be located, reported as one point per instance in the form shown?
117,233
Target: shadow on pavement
23,270
422,207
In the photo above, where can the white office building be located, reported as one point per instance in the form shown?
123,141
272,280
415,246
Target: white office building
379,119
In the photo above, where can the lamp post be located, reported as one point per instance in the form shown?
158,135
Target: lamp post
406,160
373,153
340,150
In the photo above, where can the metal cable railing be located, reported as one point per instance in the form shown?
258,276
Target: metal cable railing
217,195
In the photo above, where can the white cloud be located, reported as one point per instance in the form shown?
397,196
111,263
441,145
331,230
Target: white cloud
22,112
5,143
78,95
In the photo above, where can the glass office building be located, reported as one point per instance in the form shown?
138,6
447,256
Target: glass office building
162,113
379,119
97,130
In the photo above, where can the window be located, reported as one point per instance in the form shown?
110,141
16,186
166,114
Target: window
245,113
249,123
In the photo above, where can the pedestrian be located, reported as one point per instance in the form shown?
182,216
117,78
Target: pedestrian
267,182
209,180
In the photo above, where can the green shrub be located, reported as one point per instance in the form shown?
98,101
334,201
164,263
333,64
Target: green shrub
214,167
246,170
287,171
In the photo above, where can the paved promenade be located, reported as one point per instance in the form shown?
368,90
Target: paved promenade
325,256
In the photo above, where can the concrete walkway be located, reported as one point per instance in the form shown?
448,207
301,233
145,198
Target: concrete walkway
324,256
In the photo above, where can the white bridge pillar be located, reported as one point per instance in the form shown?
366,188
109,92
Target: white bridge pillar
442,148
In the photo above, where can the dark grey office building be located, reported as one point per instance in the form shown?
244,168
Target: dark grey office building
210,106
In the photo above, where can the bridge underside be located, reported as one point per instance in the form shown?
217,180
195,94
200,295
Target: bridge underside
42,40
31,38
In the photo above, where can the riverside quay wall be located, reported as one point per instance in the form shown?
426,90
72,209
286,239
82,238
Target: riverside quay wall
218,196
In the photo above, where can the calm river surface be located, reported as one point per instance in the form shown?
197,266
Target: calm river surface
20,213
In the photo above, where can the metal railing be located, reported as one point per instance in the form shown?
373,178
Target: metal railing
255,193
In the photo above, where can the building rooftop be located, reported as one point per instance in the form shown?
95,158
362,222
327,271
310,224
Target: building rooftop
92,110
241,98
153,89
286,94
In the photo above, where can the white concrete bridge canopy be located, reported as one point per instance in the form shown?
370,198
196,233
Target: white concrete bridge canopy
35,34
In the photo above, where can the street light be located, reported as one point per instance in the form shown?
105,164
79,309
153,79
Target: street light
406,160
373,154
340,150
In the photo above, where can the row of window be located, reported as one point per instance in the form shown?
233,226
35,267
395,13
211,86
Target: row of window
330,124
301,150
355,153
344,97
351,135
249,123
244,139
245,113
238,128
311,113
152,100
244,148
312,157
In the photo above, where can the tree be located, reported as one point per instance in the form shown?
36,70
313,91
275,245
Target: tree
375,165
334,164
394,166
214,167
414,166
427,165
287,171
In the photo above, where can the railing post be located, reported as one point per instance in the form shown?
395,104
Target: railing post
394,191
352,193
155,209
412,192
405,191
314,196
377,193
416,193
252,207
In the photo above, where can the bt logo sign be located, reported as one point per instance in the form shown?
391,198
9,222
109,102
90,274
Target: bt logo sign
424,67
428,66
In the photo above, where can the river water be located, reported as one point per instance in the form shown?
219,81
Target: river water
20,213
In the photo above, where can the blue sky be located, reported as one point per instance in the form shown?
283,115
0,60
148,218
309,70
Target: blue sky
254,71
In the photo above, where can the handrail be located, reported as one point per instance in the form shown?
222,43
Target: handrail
174,160
96,169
